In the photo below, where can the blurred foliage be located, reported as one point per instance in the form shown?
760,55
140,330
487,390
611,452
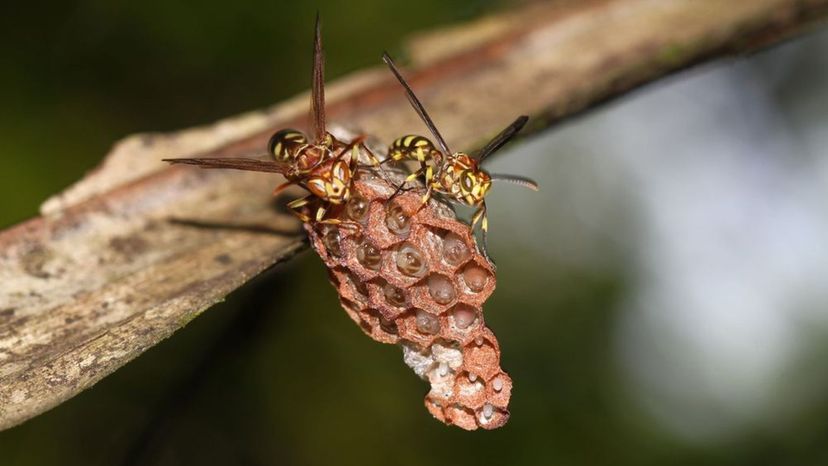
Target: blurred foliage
278,374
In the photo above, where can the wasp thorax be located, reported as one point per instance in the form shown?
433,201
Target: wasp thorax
393,295
427,323
475,278
455,251
397,220
309,158
441,289
410,261
369,256
464,316
357,208
332,242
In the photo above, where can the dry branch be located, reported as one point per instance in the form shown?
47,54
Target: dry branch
118,261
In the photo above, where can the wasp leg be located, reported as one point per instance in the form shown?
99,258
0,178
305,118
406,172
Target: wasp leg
481,216
401,187
393,156
296,204
340,223
282,187
429,182
372,159
320,213
335,221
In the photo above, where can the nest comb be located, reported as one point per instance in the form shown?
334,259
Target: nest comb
414,277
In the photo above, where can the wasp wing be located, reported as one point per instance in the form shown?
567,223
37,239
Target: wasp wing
415,102
317,116
501,139
234,163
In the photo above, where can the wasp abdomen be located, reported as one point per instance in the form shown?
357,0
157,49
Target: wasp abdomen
284,144
412,147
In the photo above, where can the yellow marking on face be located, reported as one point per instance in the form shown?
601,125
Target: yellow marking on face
317,187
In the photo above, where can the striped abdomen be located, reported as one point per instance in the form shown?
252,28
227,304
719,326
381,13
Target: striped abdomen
284,145
412,147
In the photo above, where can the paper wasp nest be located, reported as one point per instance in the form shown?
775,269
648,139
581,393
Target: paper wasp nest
416,278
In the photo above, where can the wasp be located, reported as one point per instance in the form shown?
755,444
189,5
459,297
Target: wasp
318,165
455,175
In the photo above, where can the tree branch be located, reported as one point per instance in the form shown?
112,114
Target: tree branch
118,262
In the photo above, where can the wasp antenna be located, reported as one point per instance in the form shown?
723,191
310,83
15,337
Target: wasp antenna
317,116
501,139
518,180
415,102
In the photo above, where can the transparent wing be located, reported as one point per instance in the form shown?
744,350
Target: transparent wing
501,139
415,102
317,116
234,163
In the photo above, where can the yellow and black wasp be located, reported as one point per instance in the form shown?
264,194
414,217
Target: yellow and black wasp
456,175
324,166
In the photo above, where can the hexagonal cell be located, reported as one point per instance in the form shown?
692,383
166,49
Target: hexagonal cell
475,277
427,323
388,326
423,294
485,336
461,417
455,251
490,417
397,220
499,390
380,328
356,209
482,359
463,317
356,288
441,289
469,390
394,296
410,260
377,289
332,241
461,323
411,330
368,255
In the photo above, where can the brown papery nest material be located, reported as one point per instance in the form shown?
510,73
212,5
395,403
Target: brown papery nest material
414,277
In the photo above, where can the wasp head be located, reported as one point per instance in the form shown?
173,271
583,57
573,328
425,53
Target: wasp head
333,184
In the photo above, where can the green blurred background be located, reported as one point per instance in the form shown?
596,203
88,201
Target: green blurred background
278,374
